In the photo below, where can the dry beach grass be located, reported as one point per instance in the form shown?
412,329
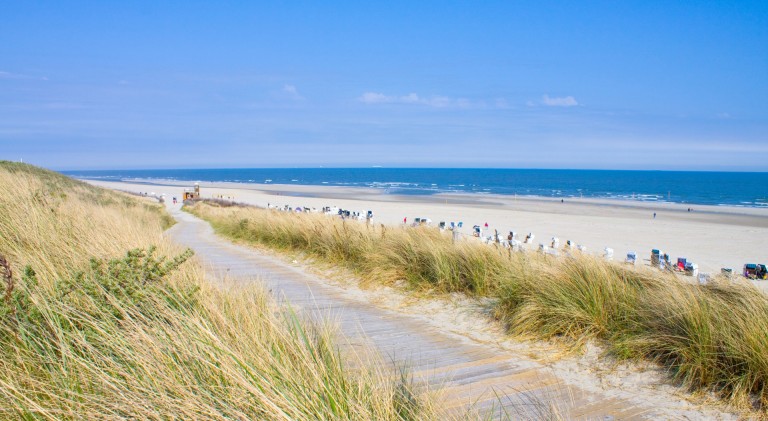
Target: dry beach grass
709,338
96,324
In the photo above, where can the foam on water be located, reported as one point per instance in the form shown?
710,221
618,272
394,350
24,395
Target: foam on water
708,188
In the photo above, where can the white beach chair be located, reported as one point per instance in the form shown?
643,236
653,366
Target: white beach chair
608,253
704,278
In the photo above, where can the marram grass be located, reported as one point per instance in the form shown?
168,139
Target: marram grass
101,318
710,338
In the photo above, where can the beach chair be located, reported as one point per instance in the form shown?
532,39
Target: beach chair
691,269
681,262
750,271
631,258
704,278
655,257
664,263
608,253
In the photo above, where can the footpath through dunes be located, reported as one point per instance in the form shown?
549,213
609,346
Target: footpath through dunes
470,376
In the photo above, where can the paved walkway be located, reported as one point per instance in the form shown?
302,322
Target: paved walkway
468,373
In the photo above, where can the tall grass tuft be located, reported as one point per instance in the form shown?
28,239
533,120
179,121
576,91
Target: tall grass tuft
710,338
101,318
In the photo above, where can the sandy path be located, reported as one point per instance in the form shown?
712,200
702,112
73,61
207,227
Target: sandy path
468,371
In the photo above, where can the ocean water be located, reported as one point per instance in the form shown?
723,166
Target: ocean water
706,188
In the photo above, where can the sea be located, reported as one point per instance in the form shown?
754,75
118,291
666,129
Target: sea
745,189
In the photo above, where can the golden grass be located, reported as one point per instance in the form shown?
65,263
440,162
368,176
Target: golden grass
94,324
710,338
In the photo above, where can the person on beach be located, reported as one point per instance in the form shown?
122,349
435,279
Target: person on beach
654,215
405,220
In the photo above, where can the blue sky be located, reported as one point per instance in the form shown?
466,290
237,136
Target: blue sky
540,84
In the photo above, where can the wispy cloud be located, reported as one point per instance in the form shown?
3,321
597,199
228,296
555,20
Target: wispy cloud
9,75
565,101
501,103
290,92
376,98
436,101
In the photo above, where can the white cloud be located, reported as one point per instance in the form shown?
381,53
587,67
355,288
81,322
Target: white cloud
9,75
375,98
501,103
566,101
436,101
290,92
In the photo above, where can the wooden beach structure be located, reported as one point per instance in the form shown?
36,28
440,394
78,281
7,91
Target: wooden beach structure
193,193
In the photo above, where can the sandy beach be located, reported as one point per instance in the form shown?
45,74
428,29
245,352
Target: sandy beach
712,236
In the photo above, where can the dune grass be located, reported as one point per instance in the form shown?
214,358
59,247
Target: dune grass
710,338
102,318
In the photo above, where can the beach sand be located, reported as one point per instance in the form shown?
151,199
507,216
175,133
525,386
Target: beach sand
712,236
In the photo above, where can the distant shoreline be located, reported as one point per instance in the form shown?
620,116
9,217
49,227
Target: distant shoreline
327,191
652,187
